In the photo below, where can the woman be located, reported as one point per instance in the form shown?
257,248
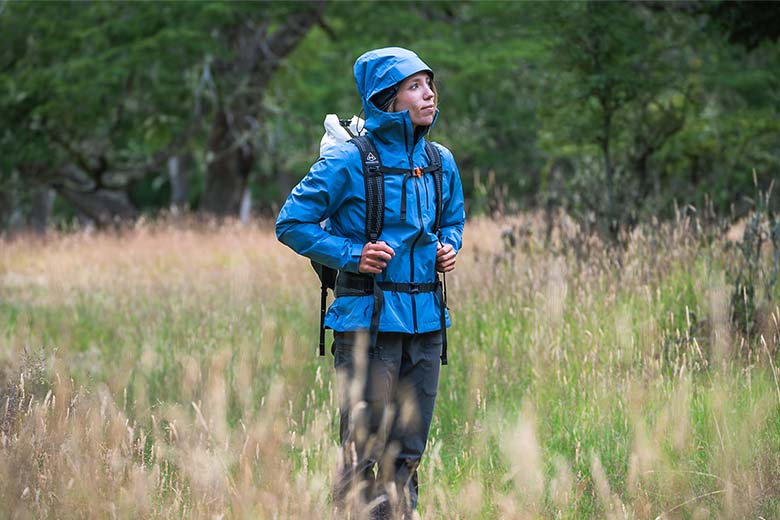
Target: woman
387,426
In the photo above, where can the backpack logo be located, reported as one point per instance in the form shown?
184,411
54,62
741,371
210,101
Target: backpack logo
371,157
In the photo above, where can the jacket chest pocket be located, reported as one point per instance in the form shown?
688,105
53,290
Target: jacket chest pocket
410,200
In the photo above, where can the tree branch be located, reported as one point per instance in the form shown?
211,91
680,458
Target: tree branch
287,37
327,29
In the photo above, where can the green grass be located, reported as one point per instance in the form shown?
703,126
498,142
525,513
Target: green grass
174,373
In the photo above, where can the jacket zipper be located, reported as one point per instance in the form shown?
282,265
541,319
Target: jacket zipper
419,233
427,197
414,243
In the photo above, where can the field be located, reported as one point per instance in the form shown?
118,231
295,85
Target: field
170,371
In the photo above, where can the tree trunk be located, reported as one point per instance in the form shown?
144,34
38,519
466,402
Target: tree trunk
612,216
643,173
6,207
41,201
102,207
228,171
258,55
179,171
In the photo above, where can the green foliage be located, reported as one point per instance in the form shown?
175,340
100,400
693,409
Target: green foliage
613,93
107,73
613,110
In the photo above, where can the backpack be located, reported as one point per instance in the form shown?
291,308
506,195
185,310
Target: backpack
343,283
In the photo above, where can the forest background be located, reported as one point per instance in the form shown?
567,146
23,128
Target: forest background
613,111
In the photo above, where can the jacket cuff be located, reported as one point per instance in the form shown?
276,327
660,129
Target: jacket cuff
445,240
354,259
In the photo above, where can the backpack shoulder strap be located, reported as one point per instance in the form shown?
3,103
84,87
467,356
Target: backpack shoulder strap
373,178
434,167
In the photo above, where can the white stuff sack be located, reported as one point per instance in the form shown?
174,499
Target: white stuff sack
336,134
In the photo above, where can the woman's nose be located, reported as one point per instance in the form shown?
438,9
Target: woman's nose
428,94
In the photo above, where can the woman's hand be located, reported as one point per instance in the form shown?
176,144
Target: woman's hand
374,257
445,258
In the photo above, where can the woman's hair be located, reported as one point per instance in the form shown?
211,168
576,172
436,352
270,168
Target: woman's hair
388,104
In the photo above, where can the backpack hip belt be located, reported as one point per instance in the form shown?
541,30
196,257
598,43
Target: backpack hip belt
351,284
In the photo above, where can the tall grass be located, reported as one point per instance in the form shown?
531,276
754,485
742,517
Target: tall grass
171,371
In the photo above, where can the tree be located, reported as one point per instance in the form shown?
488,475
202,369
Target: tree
94,94
615,87
257,51
101,96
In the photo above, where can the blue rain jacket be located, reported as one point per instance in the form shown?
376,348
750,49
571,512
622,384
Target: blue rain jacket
334,189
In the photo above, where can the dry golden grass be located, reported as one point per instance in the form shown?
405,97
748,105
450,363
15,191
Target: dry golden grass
170,371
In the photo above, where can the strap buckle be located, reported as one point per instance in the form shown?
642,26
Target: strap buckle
414,288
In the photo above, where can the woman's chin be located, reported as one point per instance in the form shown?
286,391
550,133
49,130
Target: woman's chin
423,121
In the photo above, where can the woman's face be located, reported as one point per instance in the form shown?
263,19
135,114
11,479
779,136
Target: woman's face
417,96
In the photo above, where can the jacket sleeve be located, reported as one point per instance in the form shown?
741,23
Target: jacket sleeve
313,200
453,215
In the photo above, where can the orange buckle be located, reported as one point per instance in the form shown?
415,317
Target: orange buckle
418,172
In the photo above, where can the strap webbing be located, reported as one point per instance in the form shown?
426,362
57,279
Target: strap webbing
443,321
323,304
411,288
434,167
434,159
394,171
350,284
379,302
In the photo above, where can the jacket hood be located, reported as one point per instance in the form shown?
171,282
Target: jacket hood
377,70
382,68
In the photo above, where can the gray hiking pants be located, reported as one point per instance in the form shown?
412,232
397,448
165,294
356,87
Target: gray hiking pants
386,400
